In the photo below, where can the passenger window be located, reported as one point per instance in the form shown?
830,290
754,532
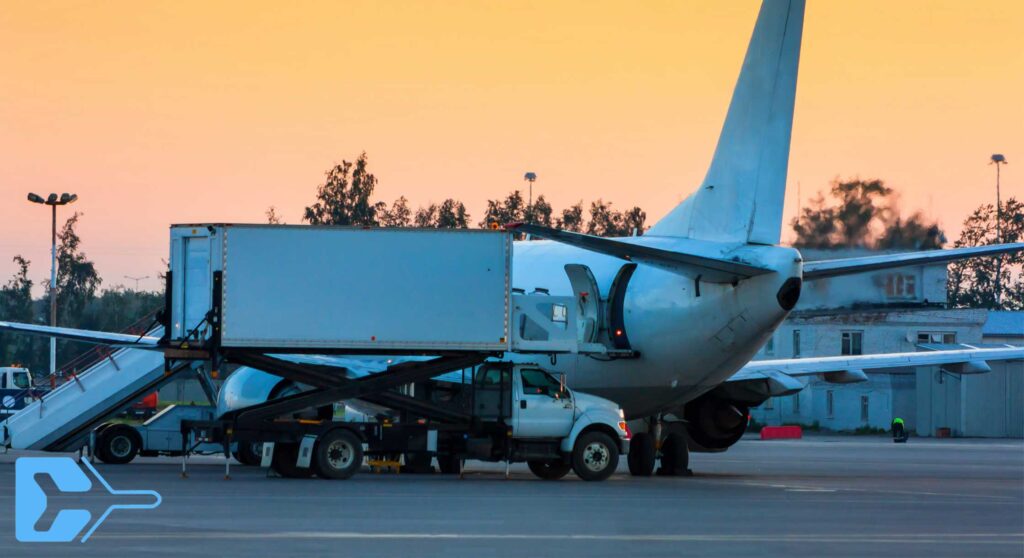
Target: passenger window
21,380
538,382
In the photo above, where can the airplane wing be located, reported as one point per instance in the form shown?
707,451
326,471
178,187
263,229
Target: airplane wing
779,375
88,336
832,268
710,269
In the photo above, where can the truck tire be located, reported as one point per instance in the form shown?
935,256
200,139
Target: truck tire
675,456
118,444
97,448
642,455
418,464
449,464
285,456
338,454
595,456
249,453
549,469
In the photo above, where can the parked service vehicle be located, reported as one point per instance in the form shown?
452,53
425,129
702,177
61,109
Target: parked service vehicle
499,411
119,442
15,389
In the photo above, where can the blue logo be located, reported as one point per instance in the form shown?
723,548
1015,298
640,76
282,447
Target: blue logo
30,500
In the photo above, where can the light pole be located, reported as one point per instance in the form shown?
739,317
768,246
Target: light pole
53,201
998,160
530,177
136,279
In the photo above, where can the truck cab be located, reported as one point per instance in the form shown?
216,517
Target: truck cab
15,388
521,412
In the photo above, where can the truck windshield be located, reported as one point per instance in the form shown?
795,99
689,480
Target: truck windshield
539,382
21,380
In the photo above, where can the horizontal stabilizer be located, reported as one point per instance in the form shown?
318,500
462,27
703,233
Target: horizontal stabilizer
832,268
852,367
711,270
85,335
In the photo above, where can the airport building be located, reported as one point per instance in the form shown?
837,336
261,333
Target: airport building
901,310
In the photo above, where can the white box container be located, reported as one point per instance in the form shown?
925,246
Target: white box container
343,289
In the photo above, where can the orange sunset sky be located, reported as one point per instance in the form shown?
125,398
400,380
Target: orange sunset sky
156,113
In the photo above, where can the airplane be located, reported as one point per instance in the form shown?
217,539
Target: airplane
701,292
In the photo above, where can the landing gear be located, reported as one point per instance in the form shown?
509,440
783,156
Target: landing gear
642,455
675,456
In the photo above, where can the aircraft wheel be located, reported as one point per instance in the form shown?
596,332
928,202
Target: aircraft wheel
675,456
549,469
338,454
285,456
642,455
595,456
118,444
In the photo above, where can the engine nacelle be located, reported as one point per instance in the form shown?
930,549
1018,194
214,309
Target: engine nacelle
713,423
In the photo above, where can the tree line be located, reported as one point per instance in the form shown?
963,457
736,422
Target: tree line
854,213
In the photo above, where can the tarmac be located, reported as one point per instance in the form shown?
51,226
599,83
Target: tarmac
834,496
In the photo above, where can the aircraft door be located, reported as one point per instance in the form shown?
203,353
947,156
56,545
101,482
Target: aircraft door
588,300
543,411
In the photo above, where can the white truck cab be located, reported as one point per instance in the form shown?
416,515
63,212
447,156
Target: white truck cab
15,389
552,428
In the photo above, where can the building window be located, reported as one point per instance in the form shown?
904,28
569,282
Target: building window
864,408
796,403
900,286
853,343
769,347
796,343
830,404
936,337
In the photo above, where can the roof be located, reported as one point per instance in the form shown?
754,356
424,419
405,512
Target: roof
1003,323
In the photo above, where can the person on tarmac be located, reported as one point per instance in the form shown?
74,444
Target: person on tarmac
899,433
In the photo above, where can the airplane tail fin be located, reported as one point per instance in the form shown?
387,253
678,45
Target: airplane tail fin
742,194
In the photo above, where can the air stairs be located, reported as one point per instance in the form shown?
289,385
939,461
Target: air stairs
63,418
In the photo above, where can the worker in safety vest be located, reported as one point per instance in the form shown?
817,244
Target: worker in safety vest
899,433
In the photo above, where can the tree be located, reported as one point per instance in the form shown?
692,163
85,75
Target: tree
344,197
633,221
572,218
77,279
539,213
451,214
272,217
971,282
503,212
859,209
399,215
16,306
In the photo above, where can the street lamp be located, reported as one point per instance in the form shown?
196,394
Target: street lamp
136,279
998,160
53,201
530,177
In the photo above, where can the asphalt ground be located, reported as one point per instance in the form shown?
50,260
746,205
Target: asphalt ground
821,496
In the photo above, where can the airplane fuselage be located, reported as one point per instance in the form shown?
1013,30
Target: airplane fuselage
688,343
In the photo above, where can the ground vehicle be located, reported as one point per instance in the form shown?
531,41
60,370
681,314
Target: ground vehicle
15,387
497,411
118,442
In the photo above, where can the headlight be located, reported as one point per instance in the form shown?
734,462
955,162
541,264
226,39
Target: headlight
622,414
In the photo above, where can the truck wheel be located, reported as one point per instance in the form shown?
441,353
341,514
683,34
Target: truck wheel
285,456
549,469
641,455
595,456
449,464
338,454
249,453
418,464
118,444
98,448
675,456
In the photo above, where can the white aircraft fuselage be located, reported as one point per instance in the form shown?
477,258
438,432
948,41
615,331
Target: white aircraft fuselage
688,344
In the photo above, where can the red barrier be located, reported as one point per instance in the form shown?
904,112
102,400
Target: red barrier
781,432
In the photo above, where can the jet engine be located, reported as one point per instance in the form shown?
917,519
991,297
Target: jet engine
714,423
